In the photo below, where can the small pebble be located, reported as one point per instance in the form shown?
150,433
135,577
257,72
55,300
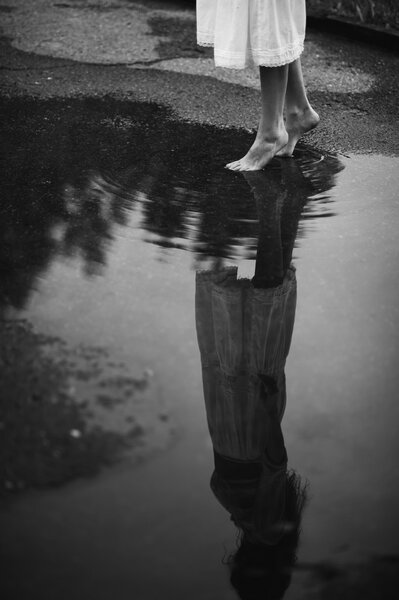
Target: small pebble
75,433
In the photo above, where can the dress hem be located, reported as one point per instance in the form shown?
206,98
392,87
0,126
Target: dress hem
254,57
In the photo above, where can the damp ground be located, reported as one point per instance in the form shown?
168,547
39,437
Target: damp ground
104,224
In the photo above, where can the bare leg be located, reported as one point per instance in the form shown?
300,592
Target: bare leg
300,116
272,135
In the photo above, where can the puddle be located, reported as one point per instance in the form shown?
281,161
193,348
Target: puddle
112,215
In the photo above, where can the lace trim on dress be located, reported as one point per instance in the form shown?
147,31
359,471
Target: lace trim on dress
226,59
261,58
204,38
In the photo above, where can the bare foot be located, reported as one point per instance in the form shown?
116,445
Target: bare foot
297,125
261,152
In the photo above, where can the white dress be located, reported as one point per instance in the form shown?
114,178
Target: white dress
244,33
243,332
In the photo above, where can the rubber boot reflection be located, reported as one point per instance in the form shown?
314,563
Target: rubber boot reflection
244,333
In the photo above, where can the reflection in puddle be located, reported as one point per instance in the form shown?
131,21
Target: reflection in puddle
102,223
244,333
75,178
72,180
64,414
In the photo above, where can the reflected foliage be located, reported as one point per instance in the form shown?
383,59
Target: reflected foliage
76,170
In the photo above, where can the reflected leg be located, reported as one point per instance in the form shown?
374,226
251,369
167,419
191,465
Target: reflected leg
269,257
269,196
297,193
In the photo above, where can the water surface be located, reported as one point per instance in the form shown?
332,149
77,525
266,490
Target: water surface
108,211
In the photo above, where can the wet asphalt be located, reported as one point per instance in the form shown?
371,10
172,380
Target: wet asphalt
67,49
115,130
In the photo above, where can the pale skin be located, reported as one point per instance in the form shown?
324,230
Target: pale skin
282,90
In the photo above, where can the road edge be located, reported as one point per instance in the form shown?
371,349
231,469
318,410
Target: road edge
386,38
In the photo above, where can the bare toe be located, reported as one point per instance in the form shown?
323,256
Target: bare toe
233,166
261,153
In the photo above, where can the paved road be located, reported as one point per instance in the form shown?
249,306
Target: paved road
146,50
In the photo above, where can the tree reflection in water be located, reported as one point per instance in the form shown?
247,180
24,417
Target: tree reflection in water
75,170
244,330
92,211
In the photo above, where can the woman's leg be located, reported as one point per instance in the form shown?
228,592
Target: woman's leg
272,135
300,116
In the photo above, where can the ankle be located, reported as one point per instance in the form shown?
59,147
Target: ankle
271,133
271,138
298,111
